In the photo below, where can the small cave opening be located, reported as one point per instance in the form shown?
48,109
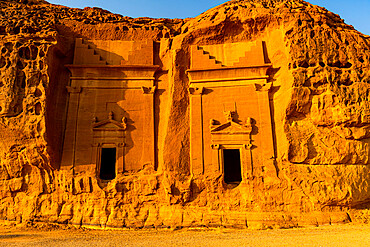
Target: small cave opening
108,164
38,92
38,108
232,166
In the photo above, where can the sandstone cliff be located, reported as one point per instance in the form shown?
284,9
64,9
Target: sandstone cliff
320,111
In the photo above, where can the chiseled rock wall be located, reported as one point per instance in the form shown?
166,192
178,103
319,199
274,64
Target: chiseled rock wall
320,110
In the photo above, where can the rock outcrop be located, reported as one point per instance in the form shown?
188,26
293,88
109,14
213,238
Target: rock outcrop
319,109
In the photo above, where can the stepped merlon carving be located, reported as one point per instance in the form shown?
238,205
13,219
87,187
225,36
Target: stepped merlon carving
203,59
95,52
86,54
228,62
241,54
141,53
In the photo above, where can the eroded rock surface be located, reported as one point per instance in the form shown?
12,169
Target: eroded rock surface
319,110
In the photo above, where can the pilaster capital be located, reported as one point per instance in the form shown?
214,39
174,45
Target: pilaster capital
215,146
196,90
121,145
74,89
263,87
248,146
148,90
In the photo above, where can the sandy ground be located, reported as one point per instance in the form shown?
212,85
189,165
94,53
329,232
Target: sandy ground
337,235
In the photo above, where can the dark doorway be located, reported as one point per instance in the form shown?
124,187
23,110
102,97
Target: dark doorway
108,163
232,168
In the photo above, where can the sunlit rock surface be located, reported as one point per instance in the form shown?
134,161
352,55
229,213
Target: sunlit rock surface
309,135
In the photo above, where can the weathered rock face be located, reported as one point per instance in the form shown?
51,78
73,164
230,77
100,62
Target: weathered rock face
318,106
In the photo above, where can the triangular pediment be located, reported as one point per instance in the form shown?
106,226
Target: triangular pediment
230,127
109,125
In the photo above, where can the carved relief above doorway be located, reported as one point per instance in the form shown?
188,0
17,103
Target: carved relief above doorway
231,148
108,146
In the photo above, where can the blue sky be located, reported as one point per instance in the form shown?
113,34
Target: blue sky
354,12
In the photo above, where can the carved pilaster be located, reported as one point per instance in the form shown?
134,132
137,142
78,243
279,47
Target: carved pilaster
247,162
69,146
148,131
265,125
216,157
120,158
196,133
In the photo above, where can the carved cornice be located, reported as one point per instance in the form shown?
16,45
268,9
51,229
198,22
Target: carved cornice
115,72
233,75
101,144
136,67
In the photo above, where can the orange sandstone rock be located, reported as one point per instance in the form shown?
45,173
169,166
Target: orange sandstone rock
253,114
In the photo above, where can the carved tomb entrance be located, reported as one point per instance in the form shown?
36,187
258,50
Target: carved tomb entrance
110,118
230,129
